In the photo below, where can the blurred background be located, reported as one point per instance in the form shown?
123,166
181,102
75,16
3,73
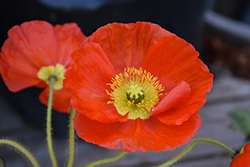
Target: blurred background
218,29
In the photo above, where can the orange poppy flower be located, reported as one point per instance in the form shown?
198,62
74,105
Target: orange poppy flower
36,50
243,158
137,87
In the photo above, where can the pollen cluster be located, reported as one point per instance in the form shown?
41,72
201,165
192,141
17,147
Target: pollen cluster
134,93
45,73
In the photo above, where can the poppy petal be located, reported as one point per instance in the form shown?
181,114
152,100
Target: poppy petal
247,148
241,160
177,61
87,80
61,99
175,96
14,78
137,135
69,37
127,42
28,47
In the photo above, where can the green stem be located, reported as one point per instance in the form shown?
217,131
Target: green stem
190,146
71,138
22,149
49,115
108,160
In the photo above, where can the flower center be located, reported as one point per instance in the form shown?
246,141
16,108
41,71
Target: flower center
134,92
45,73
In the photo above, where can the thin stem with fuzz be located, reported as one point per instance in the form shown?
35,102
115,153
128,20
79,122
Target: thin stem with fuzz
71,139
108,160
191,145
48,129
21,149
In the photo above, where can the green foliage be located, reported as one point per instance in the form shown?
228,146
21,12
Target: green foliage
241,120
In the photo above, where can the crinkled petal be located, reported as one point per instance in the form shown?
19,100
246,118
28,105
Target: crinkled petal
61,99
15,78
127,44
33,45
241,160
137,135
173,60
69,37
175,96
28,47
247,148
87,80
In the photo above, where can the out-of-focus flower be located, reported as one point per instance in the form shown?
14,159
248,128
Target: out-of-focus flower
35,51
243,158
137,87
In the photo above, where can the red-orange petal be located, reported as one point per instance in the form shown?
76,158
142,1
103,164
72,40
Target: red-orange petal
175,96
87,80
15,78
247,148
69,37
61,99
178,61
243,159
28,47
127,44
33,45
137,135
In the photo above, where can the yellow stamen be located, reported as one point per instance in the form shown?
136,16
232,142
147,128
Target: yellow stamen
134,93
52,71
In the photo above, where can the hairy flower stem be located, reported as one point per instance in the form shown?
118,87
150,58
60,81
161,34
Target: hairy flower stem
191,145
49,115
21,149
108,160
71,138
